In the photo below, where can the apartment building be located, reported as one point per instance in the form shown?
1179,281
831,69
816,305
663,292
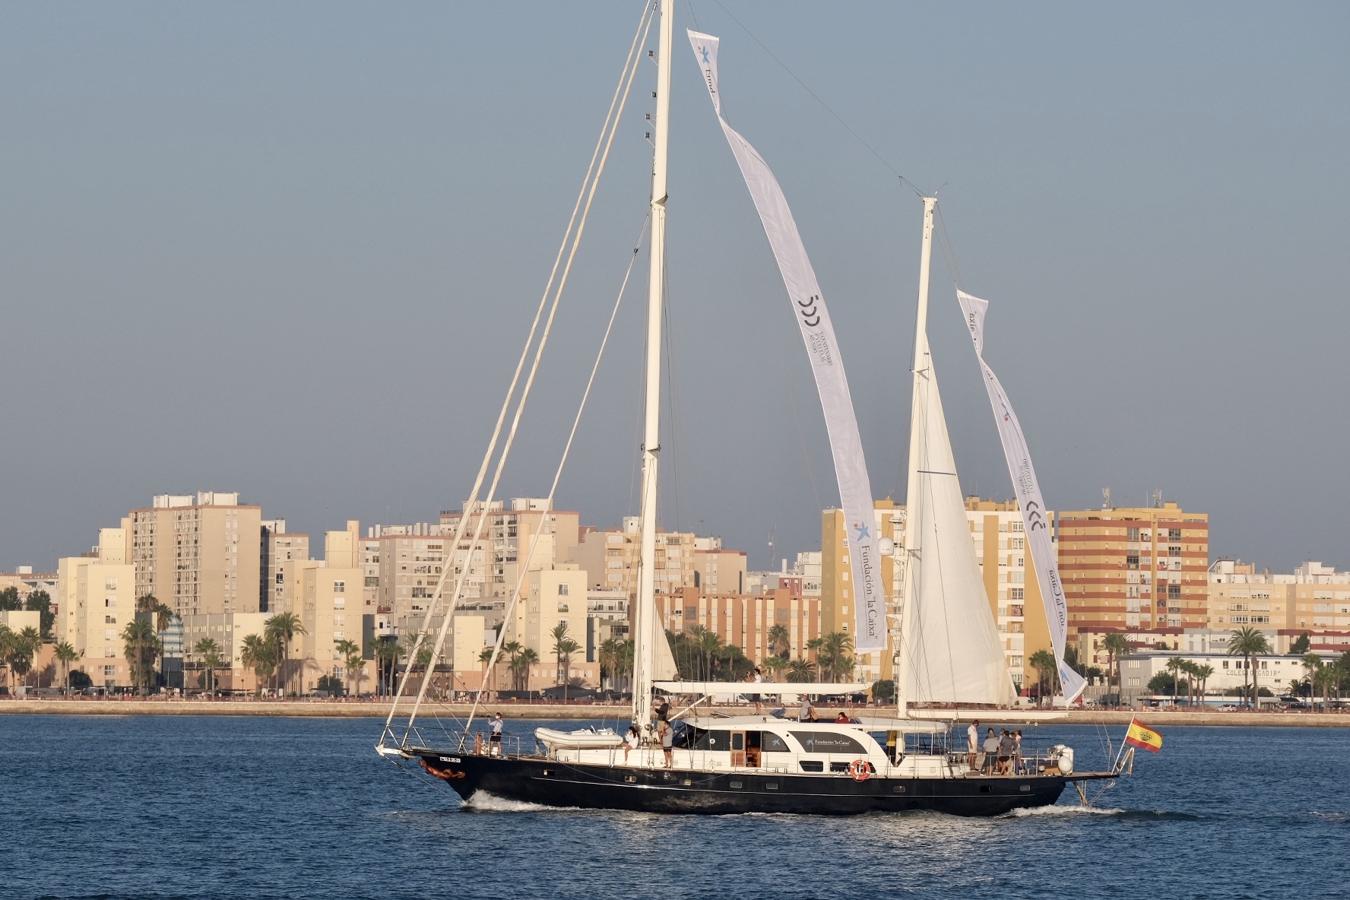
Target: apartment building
746,619
1314,599
277,546
1134,568
198,554
95,597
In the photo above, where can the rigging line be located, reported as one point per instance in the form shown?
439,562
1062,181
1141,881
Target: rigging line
611,115
533,373
562,462
840,119
949,255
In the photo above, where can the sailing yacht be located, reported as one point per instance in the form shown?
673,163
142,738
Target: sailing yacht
942,634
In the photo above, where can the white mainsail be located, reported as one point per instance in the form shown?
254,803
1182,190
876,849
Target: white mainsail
1029,500
827,365
950,649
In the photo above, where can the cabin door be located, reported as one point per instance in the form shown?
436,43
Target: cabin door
738,748
752,747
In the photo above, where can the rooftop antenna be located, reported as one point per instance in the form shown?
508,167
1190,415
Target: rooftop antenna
1106,498
1157,498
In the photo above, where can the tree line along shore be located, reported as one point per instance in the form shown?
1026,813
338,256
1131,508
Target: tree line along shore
614,713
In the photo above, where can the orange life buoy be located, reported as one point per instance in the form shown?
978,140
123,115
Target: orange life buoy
860,770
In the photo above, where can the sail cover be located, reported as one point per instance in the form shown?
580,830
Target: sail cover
1029,498
808,304
951,652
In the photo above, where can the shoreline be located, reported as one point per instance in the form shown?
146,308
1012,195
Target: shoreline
358,710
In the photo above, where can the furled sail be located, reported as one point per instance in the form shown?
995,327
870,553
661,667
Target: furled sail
1029,499
808,304
951,651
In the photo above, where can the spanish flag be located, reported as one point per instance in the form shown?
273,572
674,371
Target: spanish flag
1140,735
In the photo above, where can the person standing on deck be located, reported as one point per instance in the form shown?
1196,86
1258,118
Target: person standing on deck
667,742
495,740
972,744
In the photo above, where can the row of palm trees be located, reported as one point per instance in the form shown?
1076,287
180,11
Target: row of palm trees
17,651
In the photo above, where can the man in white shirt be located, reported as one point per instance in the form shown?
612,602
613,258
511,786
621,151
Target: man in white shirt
972,745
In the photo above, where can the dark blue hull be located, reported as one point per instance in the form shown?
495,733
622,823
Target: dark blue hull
550,783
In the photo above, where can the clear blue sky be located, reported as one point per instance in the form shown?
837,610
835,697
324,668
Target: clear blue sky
291,249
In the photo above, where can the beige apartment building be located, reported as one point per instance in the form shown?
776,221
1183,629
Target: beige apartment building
746,619
198,554
610,558
551,597
96,597
1314,599
1137,568
278,546
507,537
228,630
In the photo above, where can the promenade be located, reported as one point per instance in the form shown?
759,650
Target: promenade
610,712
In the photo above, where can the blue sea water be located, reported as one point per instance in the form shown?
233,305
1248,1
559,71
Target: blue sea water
279,807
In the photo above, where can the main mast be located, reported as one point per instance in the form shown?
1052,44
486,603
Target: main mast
913,499
645,626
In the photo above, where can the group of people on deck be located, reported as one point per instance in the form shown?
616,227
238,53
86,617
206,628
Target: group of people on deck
997,754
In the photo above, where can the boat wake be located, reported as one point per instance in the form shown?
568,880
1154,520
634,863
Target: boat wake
1065,811
482,801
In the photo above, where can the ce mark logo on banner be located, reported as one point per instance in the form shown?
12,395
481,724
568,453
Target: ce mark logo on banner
810,315
1034,518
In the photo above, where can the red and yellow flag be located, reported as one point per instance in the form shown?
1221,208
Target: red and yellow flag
1140,735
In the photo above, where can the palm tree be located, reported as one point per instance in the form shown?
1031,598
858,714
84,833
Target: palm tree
836,655
65,655
209,653
259,654
283,627
387,652
563,648
1202,674
1312,664
1044,664
17,650
352,661
1175,666
814,646
800,670
140,646
780,641
160,616
1248,643
775,665
31,640
521,661
609,655
1116,645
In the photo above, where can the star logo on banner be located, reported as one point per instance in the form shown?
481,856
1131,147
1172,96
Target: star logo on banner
704,52
863,532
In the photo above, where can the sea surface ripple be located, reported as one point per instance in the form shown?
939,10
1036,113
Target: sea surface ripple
218,807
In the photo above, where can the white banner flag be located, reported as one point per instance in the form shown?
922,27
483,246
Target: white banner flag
1029,498
855,490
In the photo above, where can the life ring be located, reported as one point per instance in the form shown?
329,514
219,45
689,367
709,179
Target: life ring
860,770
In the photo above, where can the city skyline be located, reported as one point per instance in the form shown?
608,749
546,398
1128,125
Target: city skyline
297,264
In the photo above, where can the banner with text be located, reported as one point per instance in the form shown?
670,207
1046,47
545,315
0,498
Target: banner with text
1029,498
855,490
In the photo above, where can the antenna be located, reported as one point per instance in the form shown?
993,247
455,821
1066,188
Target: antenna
1157,498
1106,497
